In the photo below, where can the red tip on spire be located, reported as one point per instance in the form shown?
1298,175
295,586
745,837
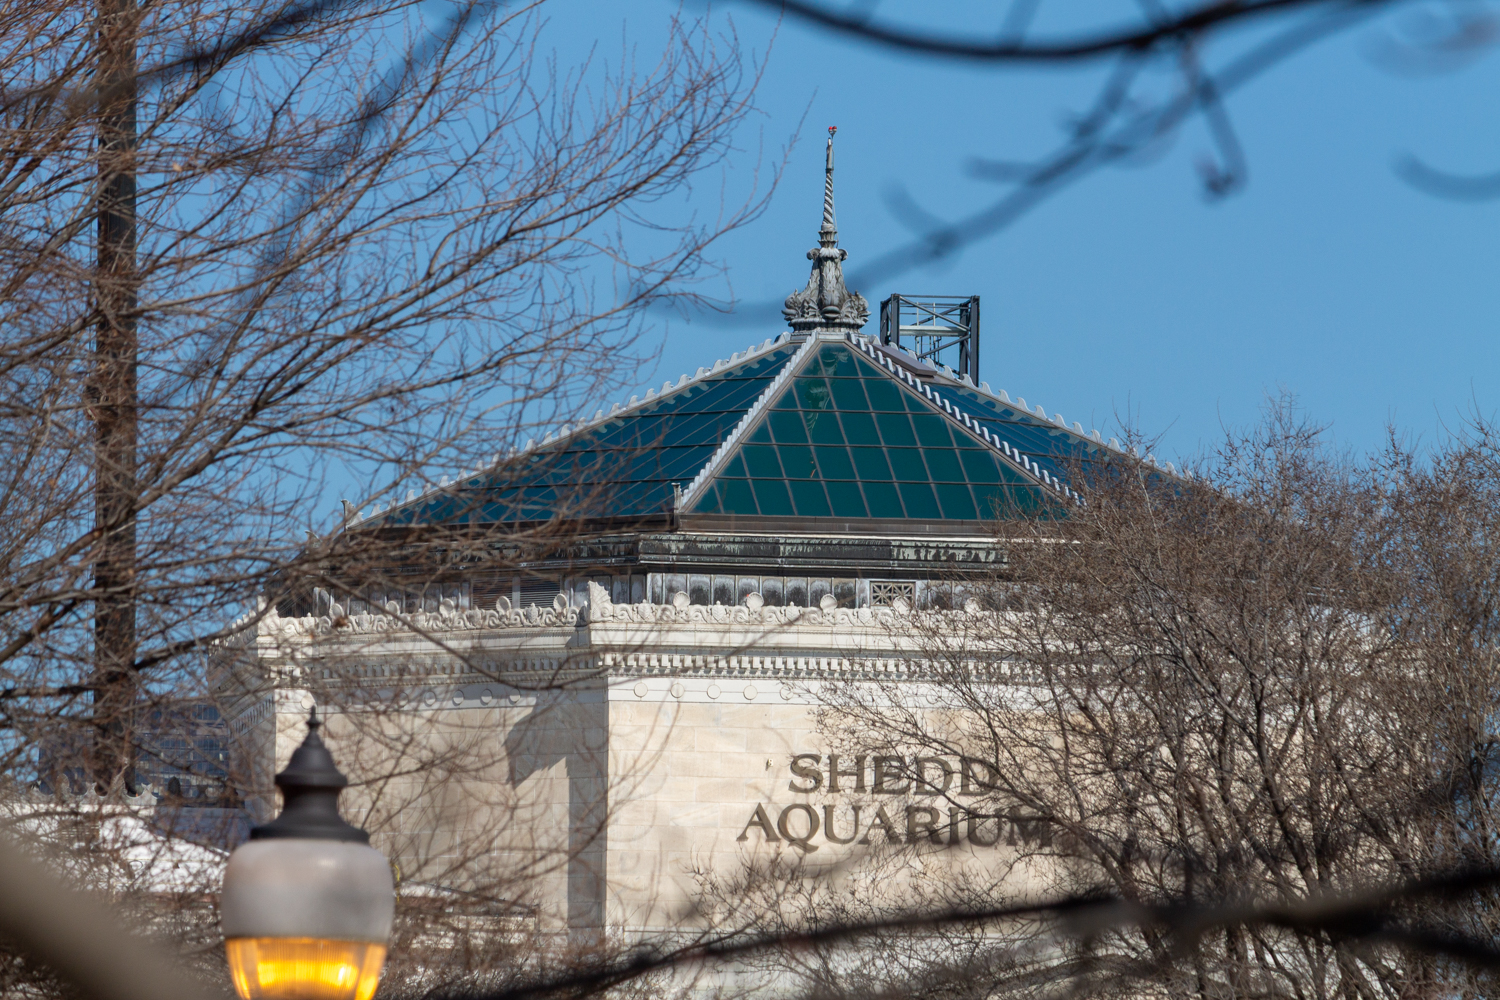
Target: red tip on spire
831,130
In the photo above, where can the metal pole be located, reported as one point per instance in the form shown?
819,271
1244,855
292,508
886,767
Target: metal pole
974,338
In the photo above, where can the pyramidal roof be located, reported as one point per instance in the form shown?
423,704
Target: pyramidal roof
819,423
841,434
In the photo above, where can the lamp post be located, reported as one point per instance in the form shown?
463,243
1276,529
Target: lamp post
307,903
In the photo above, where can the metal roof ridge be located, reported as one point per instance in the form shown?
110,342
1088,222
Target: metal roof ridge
564,432
1002,447
1057,420
696,488
668,388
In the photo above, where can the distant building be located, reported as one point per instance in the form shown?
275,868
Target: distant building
646,689
181,768
183,751
183,754
181,746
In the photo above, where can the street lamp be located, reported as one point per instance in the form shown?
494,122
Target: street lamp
307,903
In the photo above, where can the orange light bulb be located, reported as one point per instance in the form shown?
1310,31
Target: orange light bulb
272,968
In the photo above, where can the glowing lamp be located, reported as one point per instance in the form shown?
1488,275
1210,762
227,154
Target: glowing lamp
307,903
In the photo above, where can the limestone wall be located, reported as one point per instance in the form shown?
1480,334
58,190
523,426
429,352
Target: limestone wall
663,761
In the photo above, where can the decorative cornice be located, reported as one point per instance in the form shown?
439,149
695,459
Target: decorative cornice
526,675
559,615
826,303
795,668
599,610
754,612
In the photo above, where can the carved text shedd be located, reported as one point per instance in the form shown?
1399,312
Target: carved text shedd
872,822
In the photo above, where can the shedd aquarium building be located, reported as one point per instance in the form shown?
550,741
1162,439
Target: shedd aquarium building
594,732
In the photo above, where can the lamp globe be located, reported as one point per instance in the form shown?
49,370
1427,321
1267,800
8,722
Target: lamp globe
308,903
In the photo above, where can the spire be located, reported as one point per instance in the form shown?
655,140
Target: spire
826,304
828,236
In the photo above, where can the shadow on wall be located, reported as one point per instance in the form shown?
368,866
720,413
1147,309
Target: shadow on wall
572,726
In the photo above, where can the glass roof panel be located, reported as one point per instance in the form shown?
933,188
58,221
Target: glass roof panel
845,499
813,394
884,394
859,428
871,463
1057,449
797,460
834,462
737,498
847,439
787,427
895,428
1009,502
957,502
761,460
849,394
932,430
809,499
823,428
920,501
907,464
981,467
945,465
625,465
773,496
883,500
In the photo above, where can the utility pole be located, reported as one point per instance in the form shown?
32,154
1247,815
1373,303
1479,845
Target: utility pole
113,398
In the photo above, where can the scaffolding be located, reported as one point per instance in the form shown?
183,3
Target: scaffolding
939,329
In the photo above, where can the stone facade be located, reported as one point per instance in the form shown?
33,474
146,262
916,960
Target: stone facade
607,731
606,759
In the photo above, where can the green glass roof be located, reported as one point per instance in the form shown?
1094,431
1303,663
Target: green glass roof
621,467
845,439
1055,449
813,429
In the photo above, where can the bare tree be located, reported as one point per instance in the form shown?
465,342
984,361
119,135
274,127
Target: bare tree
1223,700
1220,734
354,262
1209,48
258,255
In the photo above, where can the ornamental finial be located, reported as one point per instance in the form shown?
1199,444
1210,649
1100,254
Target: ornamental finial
828,236
310,788
826,304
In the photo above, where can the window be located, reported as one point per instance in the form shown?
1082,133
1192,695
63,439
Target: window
409,599
775,591
883,593
539,592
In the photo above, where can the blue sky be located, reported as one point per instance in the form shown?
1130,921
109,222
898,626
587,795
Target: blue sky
1327,276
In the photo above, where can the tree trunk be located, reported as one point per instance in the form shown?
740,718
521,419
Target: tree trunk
114,401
